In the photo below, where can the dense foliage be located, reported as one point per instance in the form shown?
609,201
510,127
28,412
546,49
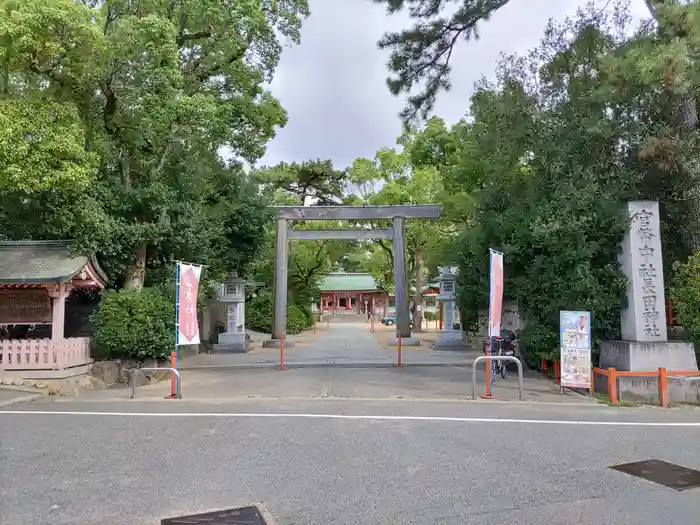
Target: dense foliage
685,293
136,324
259,315
124,126
125,108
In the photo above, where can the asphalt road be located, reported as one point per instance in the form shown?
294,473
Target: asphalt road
341,462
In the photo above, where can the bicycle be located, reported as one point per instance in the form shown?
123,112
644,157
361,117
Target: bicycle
498,366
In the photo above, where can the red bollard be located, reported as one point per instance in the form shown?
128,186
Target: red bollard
399,346
282,353
487,375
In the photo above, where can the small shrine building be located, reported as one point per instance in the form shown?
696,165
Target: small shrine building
36,278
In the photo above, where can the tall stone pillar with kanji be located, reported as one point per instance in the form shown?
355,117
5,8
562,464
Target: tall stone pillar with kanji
644,345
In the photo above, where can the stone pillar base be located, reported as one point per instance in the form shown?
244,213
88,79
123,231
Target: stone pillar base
231,348
232,342
405,341
633,356
450,340
275,343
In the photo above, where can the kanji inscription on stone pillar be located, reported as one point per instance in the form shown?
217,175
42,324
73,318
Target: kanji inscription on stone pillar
645,316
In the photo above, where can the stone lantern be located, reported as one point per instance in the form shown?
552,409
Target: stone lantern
233,296
448,335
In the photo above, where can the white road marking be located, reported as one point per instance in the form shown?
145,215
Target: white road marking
368,417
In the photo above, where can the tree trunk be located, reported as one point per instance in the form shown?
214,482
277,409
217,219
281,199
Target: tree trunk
136,271
418,296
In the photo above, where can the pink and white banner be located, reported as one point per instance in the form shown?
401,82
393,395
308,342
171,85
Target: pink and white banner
187,287
495,293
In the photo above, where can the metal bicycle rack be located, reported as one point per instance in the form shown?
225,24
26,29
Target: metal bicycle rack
178,392
502,358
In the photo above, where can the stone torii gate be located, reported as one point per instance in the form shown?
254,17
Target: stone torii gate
396,214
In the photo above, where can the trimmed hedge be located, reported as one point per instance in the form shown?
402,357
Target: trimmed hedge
136,324
259,315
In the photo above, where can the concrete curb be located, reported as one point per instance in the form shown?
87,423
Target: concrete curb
20,399
321,399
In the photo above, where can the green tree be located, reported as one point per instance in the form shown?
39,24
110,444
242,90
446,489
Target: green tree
553,153
659,64
685,293
160,88
422,54
313,182
42,146
409,176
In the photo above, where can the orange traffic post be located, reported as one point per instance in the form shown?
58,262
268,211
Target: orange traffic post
663,387
487,379
282,353
173,362
612,385
557,372
399,345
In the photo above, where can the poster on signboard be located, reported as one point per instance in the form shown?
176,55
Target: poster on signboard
575,341
495,293
187,287
575,329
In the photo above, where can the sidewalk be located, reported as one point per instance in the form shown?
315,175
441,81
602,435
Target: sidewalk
441,383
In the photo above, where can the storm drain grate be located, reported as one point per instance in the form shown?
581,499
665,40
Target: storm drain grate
664,473
239,516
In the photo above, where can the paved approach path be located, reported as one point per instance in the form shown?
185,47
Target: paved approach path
341,462
342,339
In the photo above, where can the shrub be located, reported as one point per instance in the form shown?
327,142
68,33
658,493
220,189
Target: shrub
685,294
138,324
259,315
429,315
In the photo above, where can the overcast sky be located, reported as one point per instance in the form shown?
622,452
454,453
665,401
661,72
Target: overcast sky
333,84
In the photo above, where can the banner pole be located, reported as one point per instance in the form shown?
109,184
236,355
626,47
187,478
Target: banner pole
488,368
173,355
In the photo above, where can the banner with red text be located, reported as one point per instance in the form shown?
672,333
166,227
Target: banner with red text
186,306
495,293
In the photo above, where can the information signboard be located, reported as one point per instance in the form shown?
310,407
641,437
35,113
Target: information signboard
575,343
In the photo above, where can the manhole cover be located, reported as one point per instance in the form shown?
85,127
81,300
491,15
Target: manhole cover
661,472
239,516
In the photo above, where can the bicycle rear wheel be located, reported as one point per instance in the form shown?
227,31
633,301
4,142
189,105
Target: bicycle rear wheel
503,365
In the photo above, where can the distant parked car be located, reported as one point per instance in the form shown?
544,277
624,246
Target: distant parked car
390,320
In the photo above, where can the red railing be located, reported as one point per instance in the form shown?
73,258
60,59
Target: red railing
661,373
